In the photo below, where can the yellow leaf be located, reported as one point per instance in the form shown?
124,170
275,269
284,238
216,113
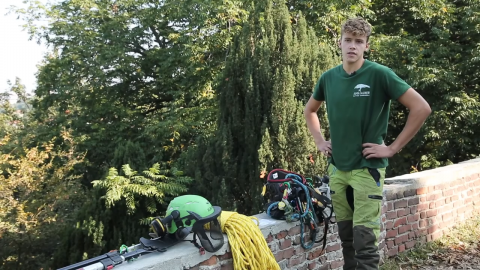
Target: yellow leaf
444,9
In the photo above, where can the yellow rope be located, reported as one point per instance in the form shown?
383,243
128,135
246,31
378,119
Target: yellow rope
249,248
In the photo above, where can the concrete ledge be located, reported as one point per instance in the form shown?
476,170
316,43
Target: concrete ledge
185,255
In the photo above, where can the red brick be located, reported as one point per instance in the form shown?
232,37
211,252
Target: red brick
447,216
431,213
392,252
282,234
422,223
432,229
390,243
410,244
411,235
312,265
439,186
413,201
423,190
439,203
433,197
404,228
269,238
400,221
211,261
420,232
333,247
413,209
402,212
315,254
448,192
431,205
285,243
295,261
391,233
389,206
294,231
401,239
279,255
413,218
423,214
391,215
389,225
401,248
401,204
288,253
422,206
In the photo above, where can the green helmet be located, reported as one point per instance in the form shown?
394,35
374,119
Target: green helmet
191,213
187,205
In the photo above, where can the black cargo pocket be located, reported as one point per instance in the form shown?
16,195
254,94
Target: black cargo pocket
376,175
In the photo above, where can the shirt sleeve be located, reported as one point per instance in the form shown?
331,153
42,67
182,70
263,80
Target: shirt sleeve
319,90
394,85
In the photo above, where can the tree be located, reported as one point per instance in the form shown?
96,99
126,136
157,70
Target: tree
270,73
433,47
39,196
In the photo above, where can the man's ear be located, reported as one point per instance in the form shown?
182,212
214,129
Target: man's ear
339,43
367,46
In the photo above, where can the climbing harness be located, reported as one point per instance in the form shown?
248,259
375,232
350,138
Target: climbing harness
293,197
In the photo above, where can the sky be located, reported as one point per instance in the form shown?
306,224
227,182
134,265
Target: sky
18,55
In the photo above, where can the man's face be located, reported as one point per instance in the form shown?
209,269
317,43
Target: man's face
353,47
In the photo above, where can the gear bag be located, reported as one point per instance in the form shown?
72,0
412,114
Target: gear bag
292,197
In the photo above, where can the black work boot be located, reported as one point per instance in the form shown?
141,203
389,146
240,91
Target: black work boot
365,244
345,231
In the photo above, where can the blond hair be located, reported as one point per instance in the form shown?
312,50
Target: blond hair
358,27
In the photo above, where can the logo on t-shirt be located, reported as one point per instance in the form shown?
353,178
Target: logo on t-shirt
360,90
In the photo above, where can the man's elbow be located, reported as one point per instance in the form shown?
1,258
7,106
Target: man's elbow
423,109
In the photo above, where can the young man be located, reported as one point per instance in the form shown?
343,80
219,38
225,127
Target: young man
357,94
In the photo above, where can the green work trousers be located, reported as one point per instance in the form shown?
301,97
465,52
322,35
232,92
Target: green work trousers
357,203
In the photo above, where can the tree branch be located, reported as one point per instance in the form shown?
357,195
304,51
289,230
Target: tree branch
157,37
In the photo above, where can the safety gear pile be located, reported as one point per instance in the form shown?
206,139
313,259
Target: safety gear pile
292,197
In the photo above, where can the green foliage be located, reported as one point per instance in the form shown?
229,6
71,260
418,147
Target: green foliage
435,49
155,186
39,196
215,88
270,73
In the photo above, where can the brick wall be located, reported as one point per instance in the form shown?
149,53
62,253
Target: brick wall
288,252
417,208
414,214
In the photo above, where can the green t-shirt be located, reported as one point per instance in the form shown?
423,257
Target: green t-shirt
358,108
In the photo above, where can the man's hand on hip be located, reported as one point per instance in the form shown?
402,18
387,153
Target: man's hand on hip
373,150
325,147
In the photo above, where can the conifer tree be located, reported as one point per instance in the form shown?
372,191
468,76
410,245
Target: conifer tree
269,76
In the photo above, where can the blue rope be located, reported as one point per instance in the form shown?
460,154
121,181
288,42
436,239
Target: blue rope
304,214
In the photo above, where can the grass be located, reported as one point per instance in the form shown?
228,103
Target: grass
460,247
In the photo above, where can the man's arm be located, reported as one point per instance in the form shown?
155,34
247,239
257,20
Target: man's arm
313,124
419,111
